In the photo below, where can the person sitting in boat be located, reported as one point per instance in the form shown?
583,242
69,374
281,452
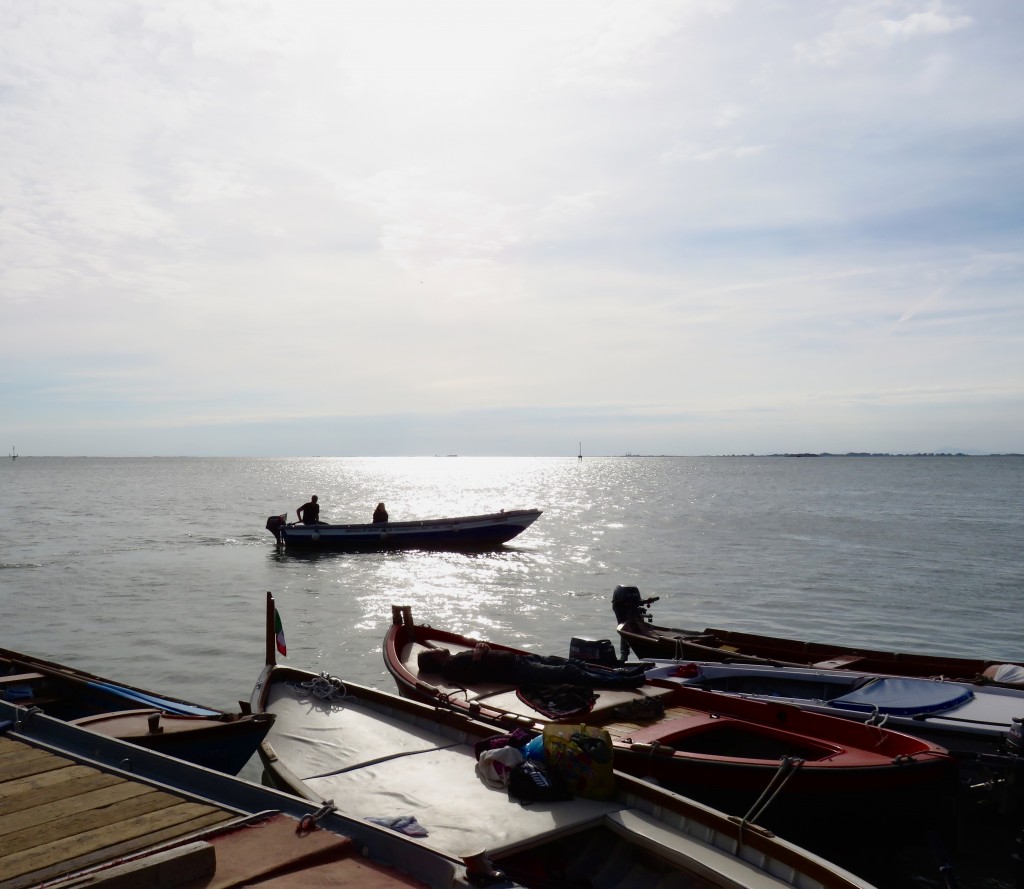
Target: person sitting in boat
485,664
380,514
309,513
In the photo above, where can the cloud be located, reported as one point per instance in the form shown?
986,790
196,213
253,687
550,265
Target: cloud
878,25
253,213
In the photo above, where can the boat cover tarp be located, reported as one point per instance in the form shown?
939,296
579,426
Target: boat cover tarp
904,697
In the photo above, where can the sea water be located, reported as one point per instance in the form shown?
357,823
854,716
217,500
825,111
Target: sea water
155,571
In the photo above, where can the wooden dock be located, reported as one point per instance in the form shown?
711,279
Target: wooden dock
58,817
73,824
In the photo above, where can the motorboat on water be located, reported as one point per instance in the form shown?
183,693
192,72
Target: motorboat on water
457,533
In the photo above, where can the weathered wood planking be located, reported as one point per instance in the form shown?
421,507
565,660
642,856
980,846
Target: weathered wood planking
57,816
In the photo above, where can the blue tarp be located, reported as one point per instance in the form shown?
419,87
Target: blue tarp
905,697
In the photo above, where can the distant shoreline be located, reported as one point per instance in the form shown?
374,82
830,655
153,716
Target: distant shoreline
473,456
847,454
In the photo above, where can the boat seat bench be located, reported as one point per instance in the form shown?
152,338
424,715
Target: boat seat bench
16,678
684,850
843,660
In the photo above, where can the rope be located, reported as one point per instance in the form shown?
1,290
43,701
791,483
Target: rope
877,717
309,822
23,714
325,687
876,723
788,767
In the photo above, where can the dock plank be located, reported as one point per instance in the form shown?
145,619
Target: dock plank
39,790
92,808
57,817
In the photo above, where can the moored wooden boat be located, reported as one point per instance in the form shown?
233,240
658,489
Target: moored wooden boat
961,716
217,739
722,750
81,809
379,755
457,533
649,640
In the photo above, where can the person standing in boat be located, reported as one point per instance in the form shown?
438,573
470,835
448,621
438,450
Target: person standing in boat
309,513
380,515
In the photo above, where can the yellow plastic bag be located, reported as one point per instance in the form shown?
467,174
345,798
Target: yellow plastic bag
582,755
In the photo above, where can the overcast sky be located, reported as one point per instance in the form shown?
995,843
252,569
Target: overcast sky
358,228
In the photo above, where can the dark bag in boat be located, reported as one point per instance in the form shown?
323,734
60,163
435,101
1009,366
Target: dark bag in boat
558,701
518,738
530,782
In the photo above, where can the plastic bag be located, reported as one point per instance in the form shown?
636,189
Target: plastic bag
495,766
582,756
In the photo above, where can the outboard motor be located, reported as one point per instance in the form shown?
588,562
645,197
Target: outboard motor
625,601
1015,738
627,605
275,523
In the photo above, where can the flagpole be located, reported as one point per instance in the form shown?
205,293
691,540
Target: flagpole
271,635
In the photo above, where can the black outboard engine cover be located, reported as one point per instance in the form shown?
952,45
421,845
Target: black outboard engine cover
593,651
625,601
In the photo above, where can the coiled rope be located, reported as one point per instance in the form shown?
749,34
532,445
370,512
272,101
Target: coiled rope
324,687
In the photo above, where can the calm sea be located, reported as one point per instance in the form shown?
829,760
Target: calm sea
154,571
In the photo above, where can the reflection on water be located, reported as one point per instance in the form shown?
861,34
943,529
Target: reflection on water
164,562
155,571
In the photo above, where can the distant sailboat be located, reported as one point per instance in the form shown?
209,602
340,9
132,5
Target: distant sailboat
581,450
14,453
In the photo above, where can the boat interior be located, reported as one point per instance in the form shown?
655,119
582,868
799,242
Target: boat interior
716,736
504,696
30,683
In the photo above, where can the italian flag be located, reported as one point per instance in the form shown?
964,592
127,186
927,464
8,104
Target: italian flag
279,631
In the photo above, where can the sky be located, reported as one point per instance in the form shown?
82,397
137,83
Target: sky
401,227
